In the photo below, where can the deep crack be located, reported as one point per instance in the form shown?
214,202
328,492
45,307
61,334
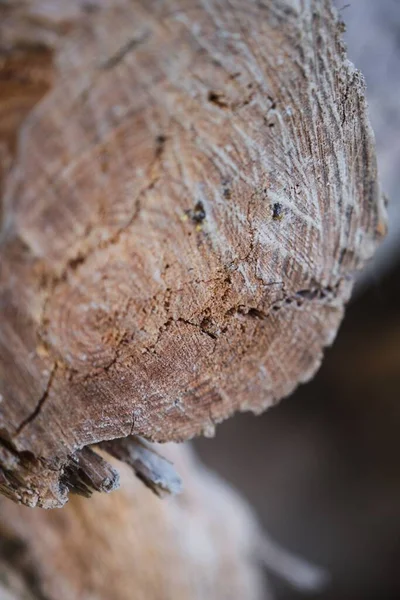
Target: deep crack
40,403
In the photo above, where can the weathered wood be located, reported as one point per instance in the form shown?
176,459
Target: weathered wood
130,544
154,470
366,21
186,211
204,544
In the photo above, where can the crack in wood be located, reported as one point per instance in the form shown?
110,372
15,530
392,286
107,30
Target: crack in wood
40,403
157,101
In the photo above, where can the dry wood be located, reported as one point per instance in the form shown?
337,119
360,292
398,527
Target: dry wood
130,545
185,213
154,470
205,543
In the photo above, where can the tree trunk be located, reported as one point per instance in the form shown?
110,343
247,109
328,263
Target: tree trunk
181,224
183,211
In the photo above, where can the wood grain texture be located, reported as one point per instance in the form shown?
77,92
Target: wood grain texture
186,211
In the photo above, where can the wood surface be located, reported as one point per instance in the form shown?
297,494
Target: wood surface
183,215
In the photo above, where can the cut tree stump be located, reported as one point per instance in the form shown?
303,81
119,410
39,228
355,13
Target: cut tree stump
183,215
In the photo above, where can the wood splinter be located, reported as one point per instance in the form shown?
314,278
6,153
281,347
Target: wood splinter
156,472
88,472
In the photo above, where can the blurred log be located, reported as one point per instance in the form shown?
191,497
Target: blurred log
202,544
181,225
205,543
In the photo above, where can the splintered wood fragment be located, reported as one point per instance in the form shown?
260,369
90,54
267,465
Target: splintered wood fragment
183,215
87,472
156,472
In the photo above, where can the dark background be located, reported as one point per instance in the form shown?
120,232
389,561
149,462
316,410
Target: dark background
322,468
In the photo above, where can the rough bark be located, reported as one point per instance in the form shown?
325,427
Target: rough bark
186,210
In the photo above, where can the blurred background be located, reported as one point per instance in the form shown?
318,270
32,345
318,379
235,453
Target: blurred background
322,468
